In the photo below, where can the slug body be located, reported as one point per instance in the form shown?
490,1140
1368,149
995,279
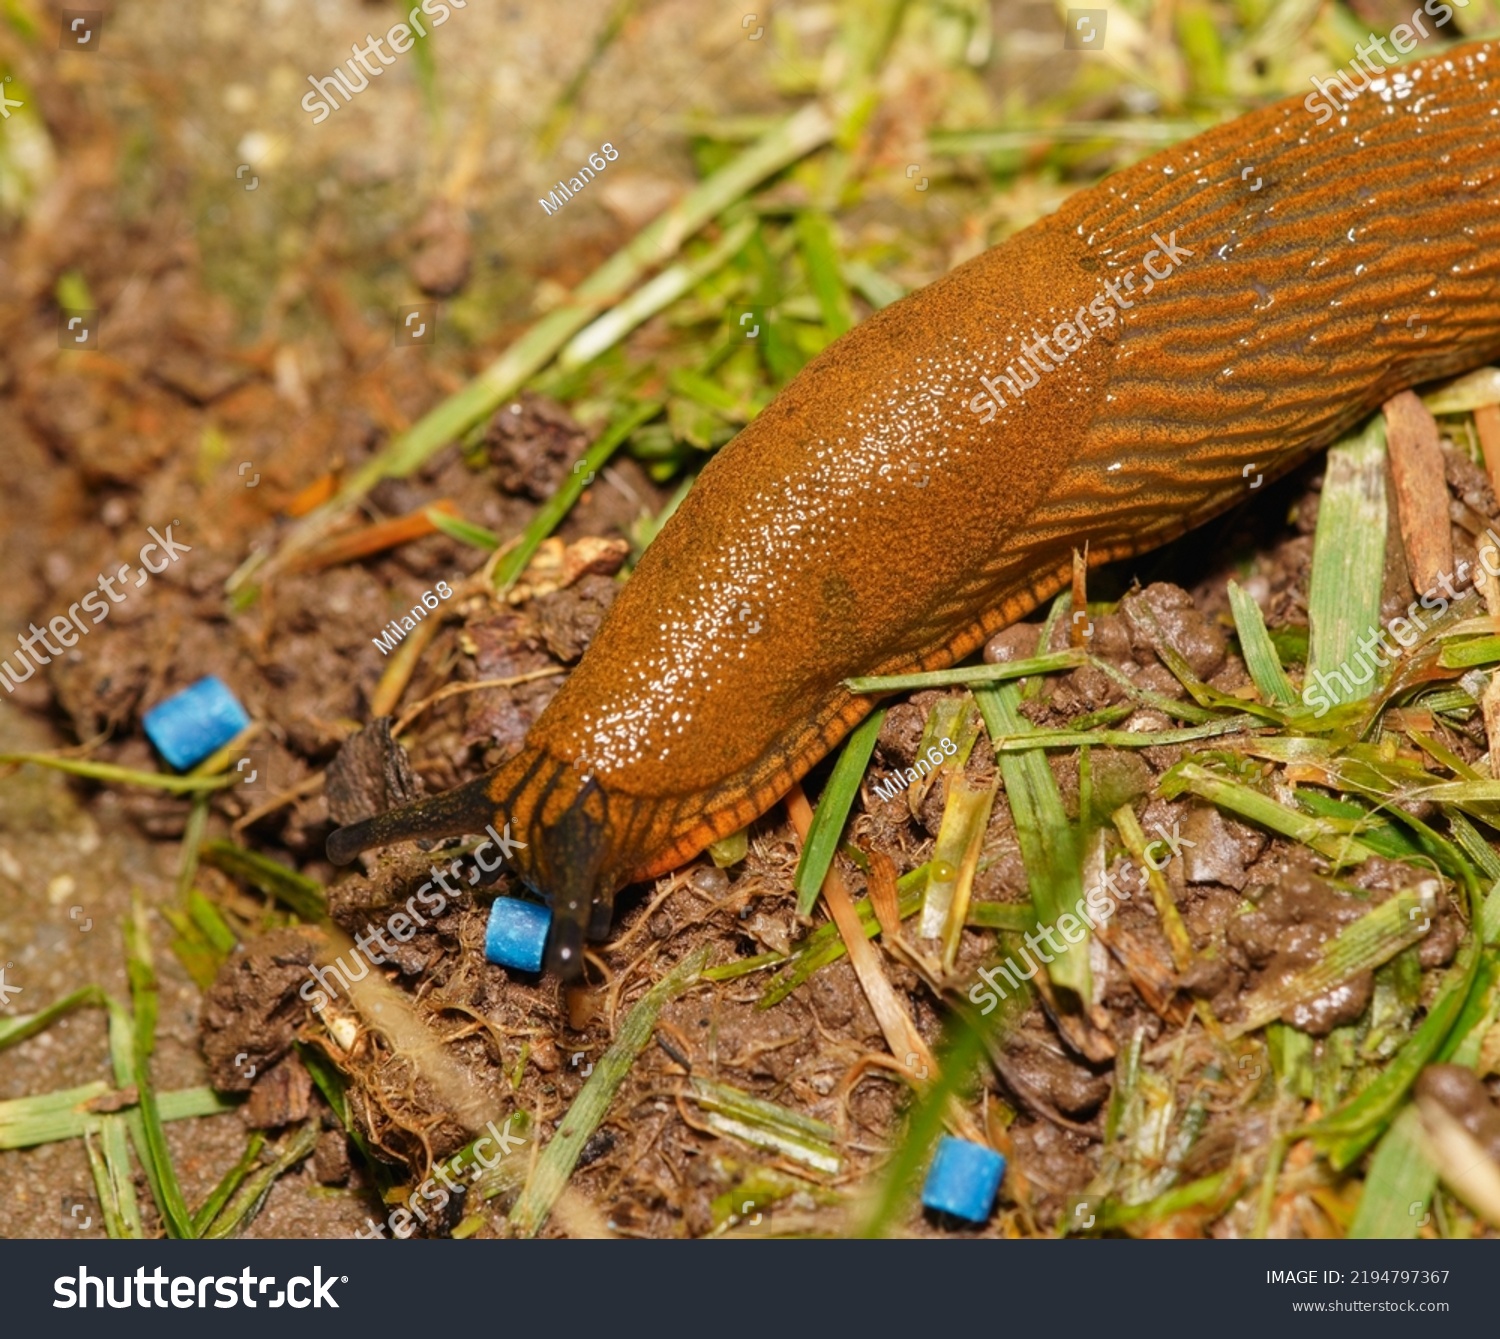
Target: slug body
1232,304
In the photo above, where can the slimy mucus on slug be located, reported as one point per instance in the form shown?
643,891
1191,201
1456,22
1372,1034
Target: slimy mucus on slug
797,561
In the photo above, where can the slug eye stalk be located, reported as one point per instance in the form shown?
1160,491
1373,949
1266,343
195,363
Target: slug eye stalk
454,813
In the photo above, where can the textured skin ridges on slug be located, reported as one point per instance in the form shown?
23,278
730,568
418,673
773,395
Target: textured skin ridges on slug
869,521
1363,261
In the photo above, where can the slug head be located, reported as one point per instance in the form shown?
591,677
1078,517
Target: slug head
561,822
568,862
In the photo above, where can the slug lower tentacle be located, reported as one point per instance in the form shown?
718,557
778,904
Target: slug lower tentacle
1111,376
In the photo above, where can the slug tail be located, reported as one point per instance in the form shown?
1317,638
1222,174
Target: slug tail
455,812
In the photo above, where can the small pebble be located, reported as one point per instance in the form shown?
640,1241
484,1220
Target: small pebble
516,932
190,725
963,1180
711,882
60,889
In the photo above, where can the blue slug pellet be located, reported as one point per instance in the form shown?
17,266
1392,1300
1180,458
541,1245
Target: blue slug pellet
516,933
963,1180
190,725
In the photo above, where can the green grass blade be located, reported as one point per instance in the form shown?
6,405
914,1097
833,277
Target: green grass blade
1398,1185
248,1199
1323,835
1381,837
1260,654
330,1082
833,811
1472,391
22,1026
211,923
1153,133
878,289
1347,1132
1049,843
966,814
1483,792
219,1196
551,512
465,532
114,1184
1178,939
565,105
192,948
1125,739
820,256
1460,655
560,1156
192,840
45,1118
49,1118
768,1125
1348,568
1373,939
186,1103
776,344
1489,917
1168,706
1206,1190
143,998
1463,1043
824,945
1013,669
1016,917
125,776
710,394
1474,846
122,1061
654,296
1207,697
962,1048
303,895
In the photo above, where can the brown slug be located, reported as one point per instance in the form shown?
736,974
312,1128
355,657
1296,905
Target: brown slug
1112,376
